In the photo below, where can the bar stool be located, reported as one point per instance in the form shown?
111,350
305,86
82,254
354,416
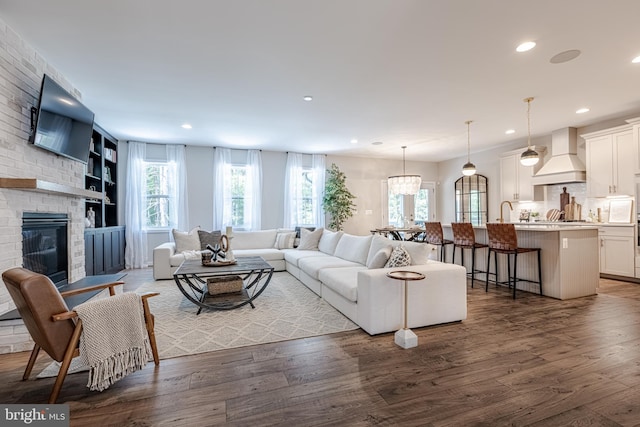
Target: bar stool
465,238
503,240
433,235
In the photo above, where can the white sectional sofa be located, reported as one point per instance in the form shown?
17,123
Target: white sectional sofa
348,272
339,273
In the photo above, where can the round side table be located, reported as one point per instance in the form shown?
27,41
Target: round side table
405,337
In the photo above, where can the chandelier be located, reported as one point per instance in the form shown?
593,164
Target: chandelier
529,157
469,168
404,184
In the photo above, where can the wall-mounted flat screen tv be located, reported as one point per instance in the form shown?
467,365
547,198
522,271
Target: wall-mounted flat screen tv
62,124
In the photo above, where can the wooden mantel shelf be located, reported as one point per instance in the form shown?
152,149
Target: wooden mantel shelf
32,184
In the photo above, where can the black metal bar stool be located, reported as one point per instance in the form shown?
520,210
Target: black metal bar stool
503,240
433,235
465,238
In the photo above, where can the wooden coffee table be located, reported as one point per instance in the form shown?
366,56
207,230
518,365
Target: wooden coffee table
191,278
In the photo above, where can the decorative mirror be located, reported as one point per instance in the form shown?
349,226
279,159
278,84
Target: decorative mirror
471,199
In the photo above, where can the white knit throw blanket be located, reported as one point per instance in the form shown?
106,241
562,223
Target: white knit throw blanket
114,339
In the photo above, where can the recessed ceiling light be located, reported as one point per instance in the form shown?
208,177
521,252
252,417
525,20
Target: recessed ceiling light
376,143
186,126
636,60
354,141
308,98
582,110
525,46
510,131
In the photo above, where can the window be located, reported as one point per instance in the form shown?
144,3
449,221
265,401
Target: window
236,202
159,198
304,188
403,209
237,198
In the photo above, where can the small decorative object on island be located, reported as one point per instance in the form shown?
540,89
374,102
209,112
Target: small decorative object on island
91,216
564,201
573,211
525,215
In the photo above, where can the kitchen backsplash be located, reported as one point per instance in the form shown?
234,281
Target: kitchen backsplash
577,190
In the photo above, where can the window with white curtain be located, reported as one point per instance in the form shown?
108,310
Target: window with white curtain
158,197
304,189
238,196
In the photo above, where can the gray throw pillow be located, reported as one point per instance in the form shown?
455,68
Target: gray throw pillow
309,239
209,238
380,258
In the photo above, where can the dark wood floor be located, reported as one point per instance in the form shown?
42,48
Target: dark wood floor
534,361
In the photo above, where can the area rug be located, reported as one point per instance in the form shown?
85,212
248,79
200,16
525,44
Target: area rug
286,310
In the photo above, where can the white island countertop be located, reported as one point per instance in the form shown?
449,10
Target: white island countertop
569,254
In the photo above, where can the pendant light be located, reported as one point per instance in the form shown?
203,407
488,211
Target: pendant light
529,157
404,184
469,168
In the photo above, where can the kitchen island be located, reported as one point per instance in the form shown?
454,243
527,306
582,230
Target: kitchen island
569,257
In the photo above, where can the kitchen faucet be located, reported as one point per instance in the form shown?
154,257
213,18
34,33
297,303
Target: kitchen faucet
501,205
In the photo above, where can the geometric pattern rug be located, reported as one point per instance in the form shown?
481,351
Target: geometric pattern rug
285,310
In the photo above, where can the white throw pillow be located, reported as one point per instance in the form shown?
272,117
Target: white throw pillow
379,242
399,258
285,240
353,248
309,239
380,258
329,241
186,241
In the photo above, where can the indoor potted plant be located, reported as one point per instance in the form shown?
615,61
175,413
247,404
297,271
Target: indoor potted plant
337,200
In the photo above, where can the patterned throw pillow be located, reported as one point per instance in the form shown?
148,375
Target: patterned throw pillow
284,240
399,258
209,238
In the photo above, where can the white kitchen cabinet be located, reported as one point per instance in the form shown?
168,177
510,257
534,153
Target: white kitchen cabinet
516,183
617,250
611,162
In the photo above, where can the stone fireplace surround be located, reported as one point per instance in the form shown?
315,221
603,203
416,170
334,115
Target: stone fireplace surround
20,80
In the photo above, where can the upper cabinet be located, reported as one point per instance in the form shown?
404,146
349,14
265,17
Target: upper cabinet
101,176
611,162
516,183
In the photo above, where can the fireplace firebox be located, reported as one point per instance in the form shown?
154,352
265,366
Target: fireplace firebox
44,245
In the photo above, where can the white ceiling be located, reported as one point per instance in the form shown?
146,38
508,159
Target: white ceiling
396,71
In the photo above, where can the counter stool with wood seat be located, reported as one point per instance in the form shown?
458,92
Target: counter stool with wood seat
503,240
433,235
465,238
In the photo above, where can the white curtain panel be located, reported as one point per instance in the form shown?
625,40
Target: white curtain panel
254,189
135,207
221,168
319,169
178,186
292,190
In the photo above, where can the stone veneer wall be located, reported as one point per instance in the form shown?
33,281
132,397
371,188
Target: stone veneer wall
21,71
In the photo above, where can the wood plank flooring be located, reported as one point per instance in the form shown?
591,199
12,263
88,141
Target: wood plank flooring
534,361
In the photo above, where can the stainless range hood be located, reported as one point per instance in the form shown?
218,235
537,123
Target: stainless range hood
564,166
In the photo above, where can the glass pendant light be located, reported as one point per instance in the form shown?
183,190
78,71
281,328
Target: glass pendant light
529,157
469,168
404,184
